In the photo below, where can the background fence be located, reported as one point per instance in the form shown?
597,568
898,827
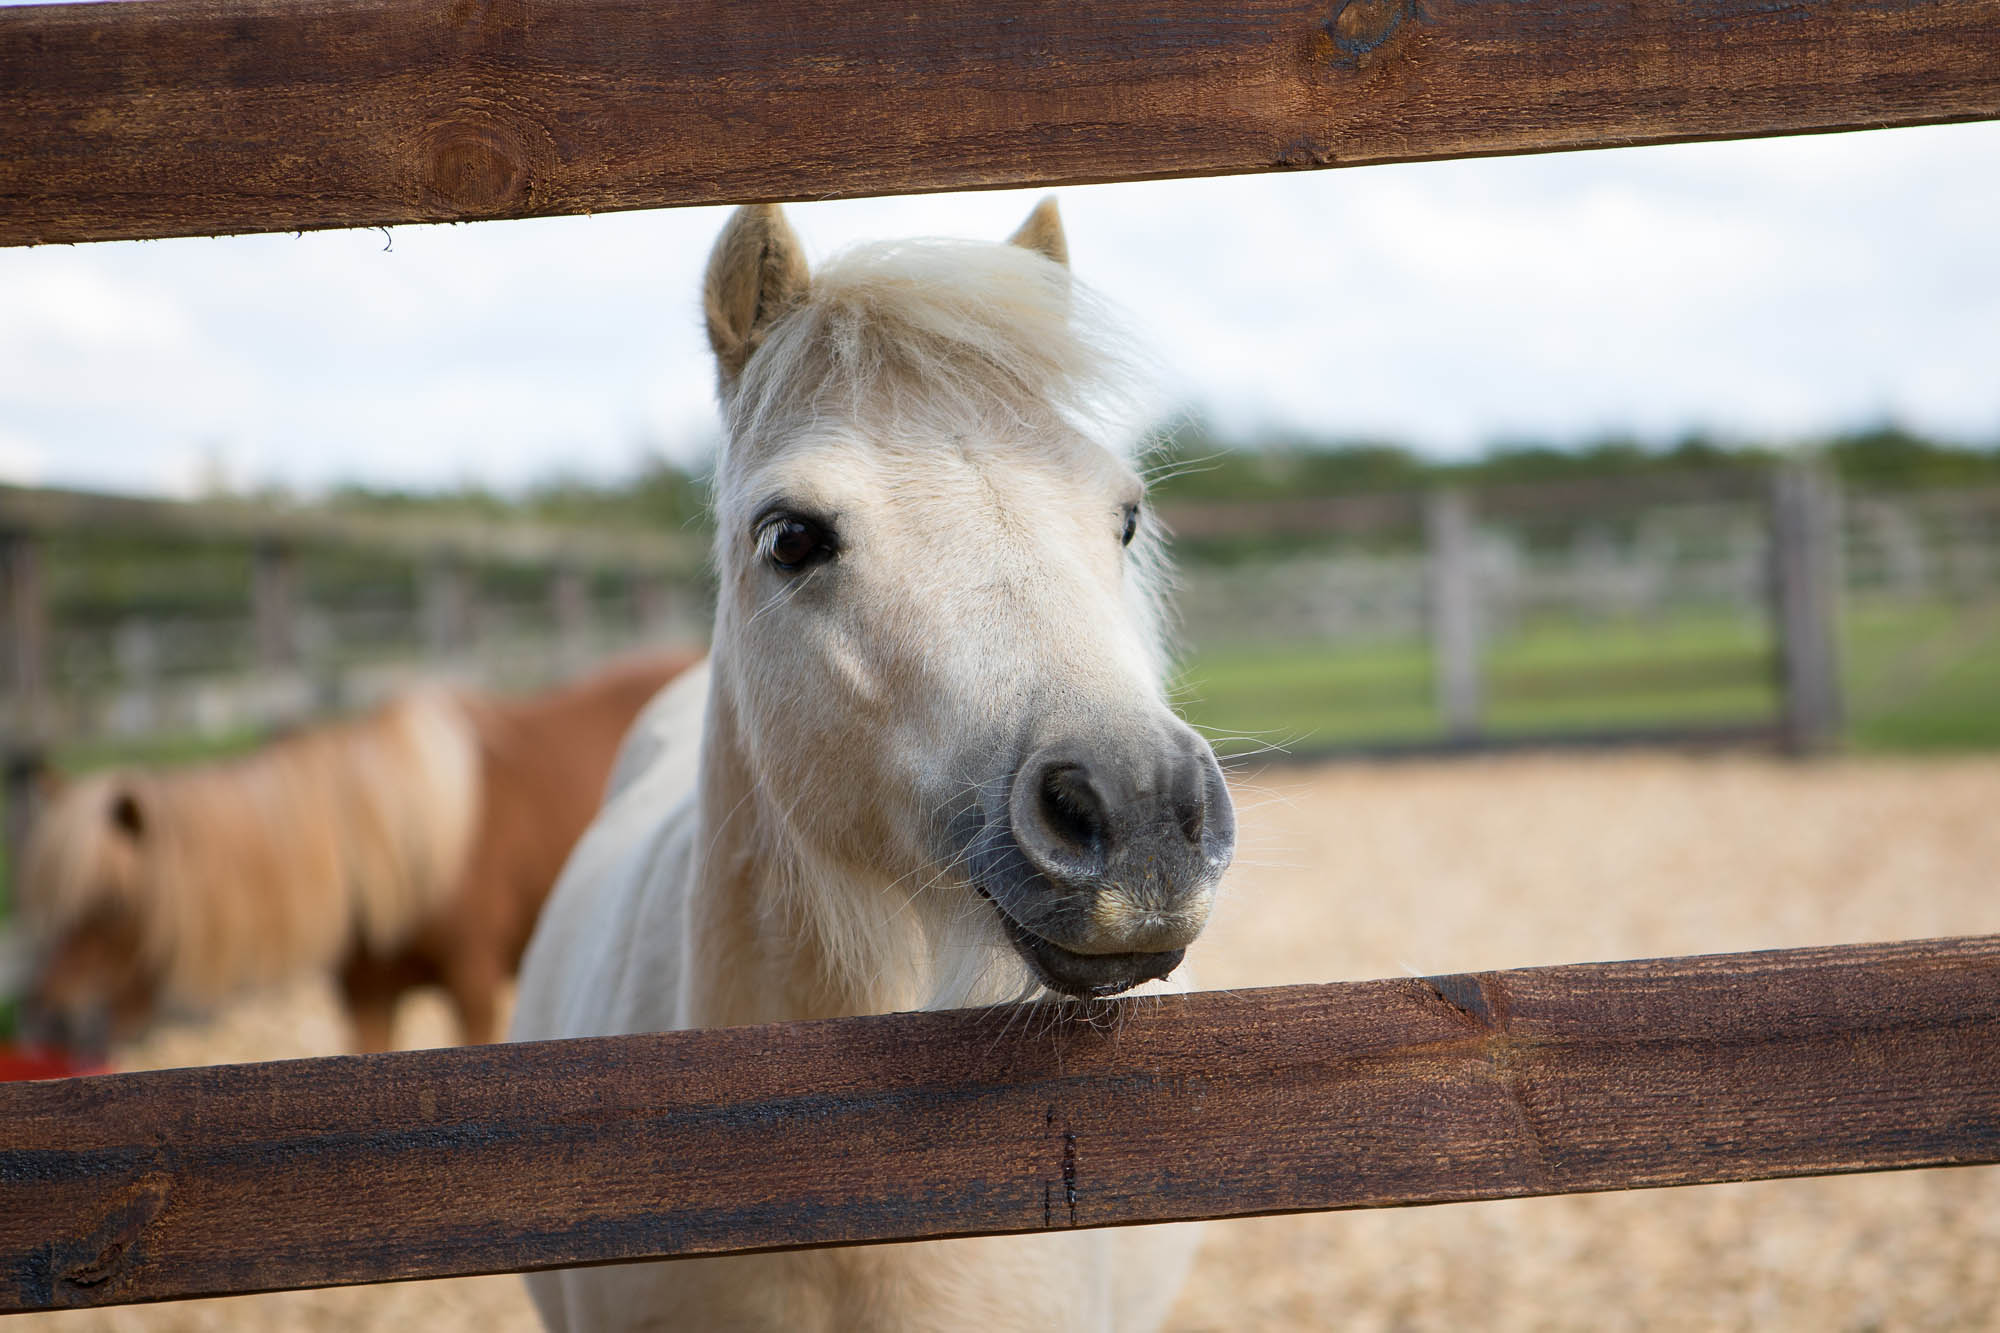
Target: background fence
128,620
1733,605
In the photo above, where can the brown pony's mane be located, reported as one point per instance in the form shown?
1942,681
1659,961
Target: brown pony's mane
245,871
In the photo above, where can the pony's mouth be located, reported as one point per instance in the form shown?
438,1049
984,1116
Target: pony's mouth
1083,975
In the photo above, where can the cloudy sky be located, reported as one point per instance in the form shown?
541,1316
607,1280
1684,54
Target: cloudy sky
1772,288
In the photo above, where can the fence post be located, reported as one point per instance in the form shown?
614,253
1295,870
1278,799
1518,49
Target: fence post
569,596
1454,614
274,603
652,605
137,648
27,638
447,606
1805,605
23,783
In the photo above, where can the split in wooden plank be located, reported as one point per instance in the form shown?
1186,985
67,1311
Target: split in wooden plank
179,117
196,1182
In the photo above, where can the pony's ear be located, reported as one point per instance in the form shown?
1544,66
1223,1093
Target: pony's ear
755,274
126,815
1043,233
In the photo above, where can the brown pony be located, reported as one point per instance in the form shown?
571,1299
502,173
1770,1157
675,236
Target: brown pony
413,845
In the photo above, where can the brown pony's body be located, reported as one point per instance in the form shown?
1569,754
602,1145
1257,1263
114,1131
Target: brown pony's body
543,762
408,847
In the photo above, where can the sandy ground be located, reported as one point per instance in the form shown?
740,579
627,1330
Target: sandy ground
1350,872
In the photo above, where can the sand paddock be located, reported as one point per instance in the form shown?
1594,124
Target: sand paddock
1352,871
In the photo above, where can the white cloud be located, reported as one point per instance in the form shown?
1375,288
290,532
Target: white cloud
78,306
22,460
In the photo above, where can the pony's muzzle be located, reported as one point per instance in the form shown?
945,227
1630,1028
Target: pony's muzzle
1127,840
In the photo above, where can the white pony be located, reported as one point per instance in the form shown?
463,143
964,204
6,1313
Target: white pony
934,763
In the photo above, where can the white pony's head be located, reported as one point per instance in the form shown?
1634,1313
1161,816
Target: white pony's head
938,631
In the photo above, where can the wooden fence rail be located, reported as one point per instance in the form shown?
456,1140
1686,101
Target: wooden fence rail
178,117
194,1182
39,511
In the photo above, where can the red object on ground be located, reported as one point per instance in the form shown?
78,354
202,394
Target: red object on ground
21,1063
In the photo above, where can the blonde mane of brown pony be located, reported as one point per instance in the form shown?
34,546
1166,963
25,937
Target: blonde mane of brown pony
246,871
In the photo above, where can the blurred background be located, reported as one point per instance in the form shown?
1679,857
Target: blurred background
1456,450
1583,556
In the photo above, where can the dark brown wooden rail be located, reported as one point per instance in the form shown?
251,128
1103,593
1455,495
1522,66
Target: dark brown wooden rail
178,117
244,1178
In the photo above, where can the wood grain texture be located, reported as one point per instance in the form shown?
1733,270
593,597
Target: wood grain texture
178,117
192,1182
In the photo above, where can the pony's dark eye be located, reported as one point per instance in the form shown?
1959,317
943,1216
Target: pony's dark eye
1131,525
791,542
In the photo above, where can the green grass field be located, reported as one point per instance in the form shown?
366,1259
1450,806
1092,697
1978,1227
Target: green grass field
1923,677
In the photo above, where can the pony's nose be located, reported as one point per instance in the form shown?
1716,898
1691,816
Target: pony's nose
1149,820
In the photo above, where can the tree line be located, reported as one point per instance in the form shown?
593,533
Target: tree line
1194,460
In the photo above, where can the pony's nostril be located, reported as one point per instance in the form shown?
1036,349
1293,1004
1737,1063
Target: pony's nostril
1071,808
1191,789
1193,812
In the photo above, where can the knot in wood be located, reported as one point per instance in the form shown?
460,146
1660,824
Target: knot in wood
1302,153
1464,996
479,168
1360,27
85,1269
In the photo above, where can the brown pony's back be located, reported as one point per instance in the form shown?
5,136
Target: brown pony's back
543,764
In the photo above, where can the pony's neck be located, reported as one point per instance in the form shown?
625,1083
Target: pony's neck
775,933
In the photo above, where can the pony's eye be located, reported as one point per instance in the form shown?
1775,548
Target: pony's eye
1131,525
791,542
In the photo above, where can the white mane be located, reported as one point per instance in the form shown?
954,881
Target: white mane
928,340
